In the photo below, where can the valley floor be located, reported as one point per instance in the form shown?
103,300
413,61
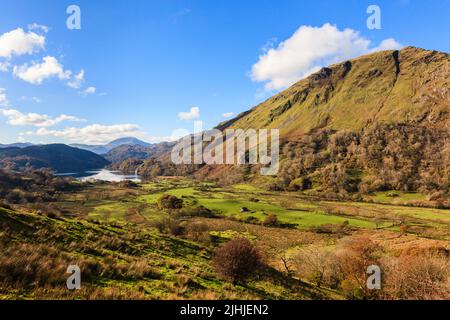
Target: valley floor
109,229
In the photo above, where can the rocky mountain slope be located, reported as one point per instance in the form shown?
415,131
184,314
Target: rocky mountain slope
410,85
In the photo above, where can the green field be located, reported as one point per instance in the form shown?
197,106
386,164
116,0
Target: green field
290,208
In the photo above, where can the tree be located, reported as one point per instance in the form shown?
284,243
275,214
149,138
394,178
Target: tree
355,255
168,201
271,221
318,265
417,277
236,260
198,231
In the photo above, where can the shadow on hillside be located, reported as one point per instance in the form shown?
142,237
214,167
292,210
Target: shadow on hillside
301,290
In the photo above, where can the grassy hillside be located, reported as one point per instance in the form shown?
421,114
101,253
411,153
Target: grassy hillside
390,87
119,261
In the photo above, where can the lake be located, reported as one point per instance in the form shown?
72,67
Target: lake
102,175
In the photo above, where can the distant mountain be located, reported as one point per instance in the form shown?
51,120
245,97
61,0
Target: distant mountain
17,145
102,149
128,141
58,157
125,151
98,149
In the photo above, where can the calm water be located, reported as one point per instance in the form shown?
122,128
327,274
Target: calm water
102,175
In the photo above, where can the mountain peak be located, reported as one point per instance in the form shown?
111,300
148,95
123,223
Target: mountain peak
103,149
129,141
390,86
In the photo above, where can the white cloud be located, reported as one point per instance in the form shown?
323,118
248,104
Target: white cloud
194,113
50,67
309,49
93,134
88,91
77,80
36,99
387,44
18,42
38,72
100,134
3,98
17,118
228,114
38,27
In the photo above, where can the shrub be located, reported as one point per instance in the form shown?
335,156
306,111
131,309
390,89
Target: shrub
160,225
343,227
236,260
318,265
354,256
438,195
271,221
198,231
417,277
199,211
168,201
300,184
171,226
176,228
251,220
15,197
324,228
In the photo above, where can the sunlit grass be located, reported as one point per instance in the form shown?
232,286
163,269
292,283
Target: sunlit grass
396,197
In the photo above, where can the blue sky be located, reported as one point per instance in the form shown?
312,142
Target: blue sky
150,60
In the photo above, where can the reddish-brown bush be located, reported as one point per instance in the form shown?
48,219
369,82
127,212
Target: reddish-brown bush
237,260
168,201
271,221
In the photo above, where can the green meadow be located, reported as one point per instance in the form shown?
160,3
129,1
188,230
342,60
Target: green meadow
248,203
